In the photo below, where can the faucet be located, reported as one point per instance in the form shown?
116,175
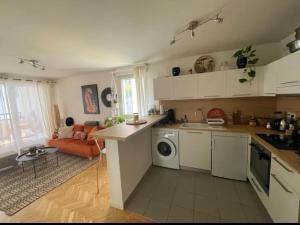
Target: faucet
202,116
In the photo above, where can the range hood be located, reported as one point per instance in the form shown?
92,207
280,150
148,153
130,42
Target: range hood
295,45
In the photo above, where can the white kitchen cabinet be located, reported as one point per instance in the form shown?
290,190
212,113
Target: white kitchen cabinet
288,80
212,85
163,88
267,81
283,200
185,87
246,89
230,155
195,149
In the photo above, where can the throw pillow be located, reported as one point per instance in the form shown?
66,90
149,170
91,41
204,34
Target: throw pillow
79,135
65,132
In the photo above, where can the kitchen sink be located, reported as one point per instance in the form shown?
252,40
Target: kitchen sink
201,126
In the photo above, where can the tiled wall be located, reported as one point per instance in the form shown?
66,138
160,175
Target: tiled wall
262,107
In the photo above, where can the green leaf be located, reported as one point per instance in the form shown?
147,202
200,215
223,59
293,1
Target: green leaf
252,73
253,61
238,53
248,49
243,80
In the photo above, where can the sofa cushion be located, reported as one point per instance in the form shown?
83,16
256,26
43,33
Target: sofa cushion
78,127
80,135
65,132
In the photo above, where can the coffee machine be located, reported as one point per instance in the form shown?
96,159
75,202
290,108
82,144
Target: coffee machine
170,117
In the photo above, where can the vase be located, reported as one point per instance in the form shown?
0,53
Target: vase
176,71
241,62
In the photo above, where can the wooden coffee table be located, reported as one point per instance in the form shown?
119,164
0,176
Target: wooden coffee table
42,153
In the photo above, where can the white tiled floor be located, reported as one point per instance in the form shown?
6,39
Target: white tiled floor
166,195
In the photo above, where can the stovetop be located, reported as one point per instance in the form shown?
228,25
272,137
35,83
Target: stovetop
281,141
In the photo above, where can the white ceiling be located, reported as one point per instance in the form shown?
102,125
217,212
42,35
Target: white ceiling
73,36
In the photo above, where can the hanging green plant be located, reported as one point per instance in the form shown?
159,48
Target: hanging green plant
246,56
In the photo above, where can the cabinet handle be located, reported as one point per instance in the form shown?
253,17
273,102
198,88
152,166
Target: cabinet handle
280,163
241,95
194,132
211,96
256,186
186,97
281,184
290,82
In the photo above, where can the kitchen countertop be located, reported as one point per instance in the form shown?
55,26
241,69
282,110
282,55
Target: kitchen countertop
122,132
291,158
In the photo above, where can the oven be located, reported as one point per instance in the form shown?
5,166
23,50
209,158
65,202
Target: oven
260,165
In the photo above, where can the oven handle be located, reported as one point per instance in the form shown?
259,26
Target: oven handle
260,152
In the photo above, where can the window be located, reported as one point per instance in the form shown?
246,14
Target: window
128,95
21,119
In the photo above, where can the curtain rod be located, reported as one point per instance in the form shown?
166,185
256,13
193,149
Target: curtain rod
26,79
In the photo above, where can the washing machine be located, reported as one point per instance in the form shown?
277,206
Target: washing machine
165,146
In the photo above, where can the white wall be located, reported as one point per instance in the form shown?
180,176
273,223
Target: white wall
69,89
69,96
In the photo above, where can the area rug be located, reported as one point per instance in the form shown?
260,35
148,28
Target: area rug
18,189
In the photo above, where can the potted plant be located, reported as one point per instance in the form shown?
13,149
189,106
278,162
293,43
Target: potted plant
246,56
111,121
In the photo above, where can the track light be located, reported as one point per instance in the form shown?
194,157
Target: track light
194,24
33,62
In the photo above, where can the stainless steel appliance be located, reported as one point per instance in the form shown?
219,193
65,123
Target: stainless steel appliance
295,45
260,165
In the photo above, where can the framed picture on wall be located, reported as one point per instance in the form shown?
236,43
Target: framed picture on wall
90,99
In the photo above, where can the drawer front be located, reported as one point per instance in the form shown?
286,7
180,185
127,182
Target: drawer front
285,172
284,201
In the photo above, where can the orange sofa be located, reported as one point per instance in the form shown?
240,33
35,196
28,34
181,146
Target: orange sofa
85,148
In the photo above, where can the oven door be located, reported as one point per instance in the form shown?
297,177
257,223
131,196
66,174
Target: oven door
260,165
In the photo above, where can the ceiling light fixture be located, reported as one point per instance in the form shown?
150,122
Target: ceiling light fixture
33,62
194,24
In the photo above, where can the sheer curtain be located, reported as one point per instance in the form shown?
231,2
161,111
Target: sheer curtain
24,115
142,87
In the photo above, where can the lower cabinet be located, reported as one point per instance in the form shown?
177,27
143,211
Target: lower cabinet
283,201
195,149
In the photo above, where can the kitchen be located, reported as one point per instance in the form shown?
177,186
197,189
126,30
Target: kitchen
246,148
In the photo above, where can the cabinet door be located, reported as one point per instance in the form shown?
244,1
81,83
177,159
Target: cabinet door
185,87
195,149
163,88
288,81
212,85
269,80
237,89
283,201
230,155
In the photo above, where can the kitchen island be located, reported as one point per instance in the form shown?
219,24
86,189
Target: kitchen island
128,157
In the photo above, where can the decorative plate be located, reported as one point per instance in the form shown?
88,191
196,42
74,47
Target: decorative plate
136,122
204,64
216,113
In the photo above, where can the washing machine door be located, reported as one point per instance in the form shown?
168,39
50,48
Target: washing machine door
165,149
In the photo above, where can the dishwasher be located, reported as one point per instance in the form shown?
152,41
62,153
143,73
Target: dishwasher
230,155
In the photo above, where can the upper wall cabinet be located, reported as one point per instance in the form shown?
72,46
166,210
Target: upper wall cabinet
185,87
163,88
267,82
212,85
288,80
247,89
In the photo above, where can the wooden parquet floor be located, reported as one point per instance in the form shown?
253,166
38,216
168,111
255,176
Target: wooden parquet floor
75,201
